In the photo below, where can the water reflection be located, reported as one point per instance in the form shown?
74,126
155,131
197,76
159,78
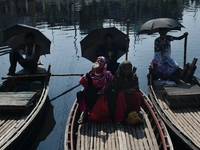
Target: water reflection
66,22
90,14
43,128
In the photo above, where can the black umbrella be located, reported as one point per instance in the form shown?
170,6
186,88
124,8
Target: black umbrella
95,39
153,26
15,35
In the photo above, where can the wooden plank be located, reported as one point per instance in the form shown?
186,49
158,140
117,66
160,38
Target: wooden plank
13,99
182,90
184,122
78,142
127,137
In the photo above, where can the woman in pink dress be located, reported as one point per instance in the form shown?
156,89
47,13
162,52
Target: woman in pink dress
95,83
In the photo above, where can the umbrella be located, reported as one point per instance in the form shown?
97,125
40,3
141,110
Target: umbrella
153,26
95,39
14,36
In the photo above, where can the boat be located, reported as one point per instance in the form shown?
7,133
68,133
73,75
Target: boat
152,134
177,101
22,101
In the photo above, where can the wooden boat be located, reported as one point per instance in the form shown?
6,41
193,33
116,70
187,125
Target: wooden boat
177,100
22,100
152,134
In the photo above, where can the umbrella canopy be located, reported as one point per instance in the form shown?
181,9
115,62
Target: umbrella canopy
153,26
15,35
95,39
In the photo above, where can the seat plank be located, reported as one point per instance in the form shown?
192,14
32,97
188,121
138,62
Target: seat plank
182,90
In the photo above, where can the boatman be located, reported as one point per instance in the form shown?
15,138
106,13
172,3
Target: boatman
27,55
109,51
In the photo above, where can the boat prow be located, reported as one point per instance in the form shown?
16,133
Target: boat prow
22,100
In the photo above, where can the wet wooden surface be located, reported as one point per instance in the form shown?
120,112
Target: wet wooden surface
185,115
101,136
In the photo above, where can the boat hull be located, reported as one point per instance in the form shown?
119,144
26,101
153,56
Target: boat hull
152,134
17,124
178,106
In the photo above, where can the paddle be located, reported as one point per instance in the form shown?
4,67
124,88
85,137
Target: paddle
65,92
185,51
127,30
66,74
35,75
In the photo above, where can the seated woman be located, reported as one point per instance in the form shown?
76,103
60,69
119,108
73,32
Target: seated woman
126,84
95,83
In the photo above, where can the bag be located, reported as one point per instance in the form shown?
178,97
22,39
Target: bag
100,110
133,118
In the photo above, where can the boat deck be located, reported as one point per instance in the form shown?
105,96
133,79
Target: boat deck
102,136
183,112
105,135
8,125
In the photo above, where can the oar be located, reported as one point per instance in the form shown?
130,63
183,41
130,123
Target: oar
185,51
127,30
65,92
66,74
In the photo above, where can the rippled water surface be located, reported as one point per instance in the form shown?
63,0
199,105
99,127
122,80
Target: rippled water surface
67,22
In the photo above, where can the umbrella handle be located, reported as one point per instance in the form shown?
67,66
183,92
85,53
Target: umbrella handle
185,51
127,31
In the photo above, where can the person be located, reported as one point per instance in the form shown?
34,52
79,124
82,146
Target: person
162,64
125,84
31,52
95,83
110,51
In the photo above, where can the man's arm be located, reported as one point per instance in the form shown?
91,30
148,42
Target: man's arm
180,37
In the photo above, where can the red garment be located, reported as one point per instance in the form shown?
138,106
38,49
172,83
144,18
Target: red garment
100,110
121,105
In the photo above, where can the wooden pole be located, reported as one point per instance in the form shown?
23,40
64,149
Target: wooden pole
36,75
127,44
65,92
185,52
23,76
67,74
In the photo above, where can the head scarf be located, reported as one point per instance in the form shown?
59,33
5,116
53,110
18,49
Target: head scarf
99,79
118,81
119,72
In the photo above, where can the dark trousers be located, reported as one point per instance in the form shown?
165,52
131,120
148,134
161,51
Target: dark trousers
28,65
112,67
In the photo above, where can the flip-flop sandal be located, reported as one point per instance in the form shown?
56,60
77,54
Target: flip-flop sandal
82,118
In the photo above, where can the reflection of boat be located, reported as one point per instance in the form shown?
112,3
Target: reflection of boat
177,101
42,129
22,100
151,134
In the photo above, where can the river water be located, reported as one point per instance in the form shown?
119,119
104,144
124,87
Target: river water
67,22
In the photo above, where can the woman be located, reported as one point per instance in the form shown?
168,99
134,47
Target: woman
95,83
163,64
125,83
